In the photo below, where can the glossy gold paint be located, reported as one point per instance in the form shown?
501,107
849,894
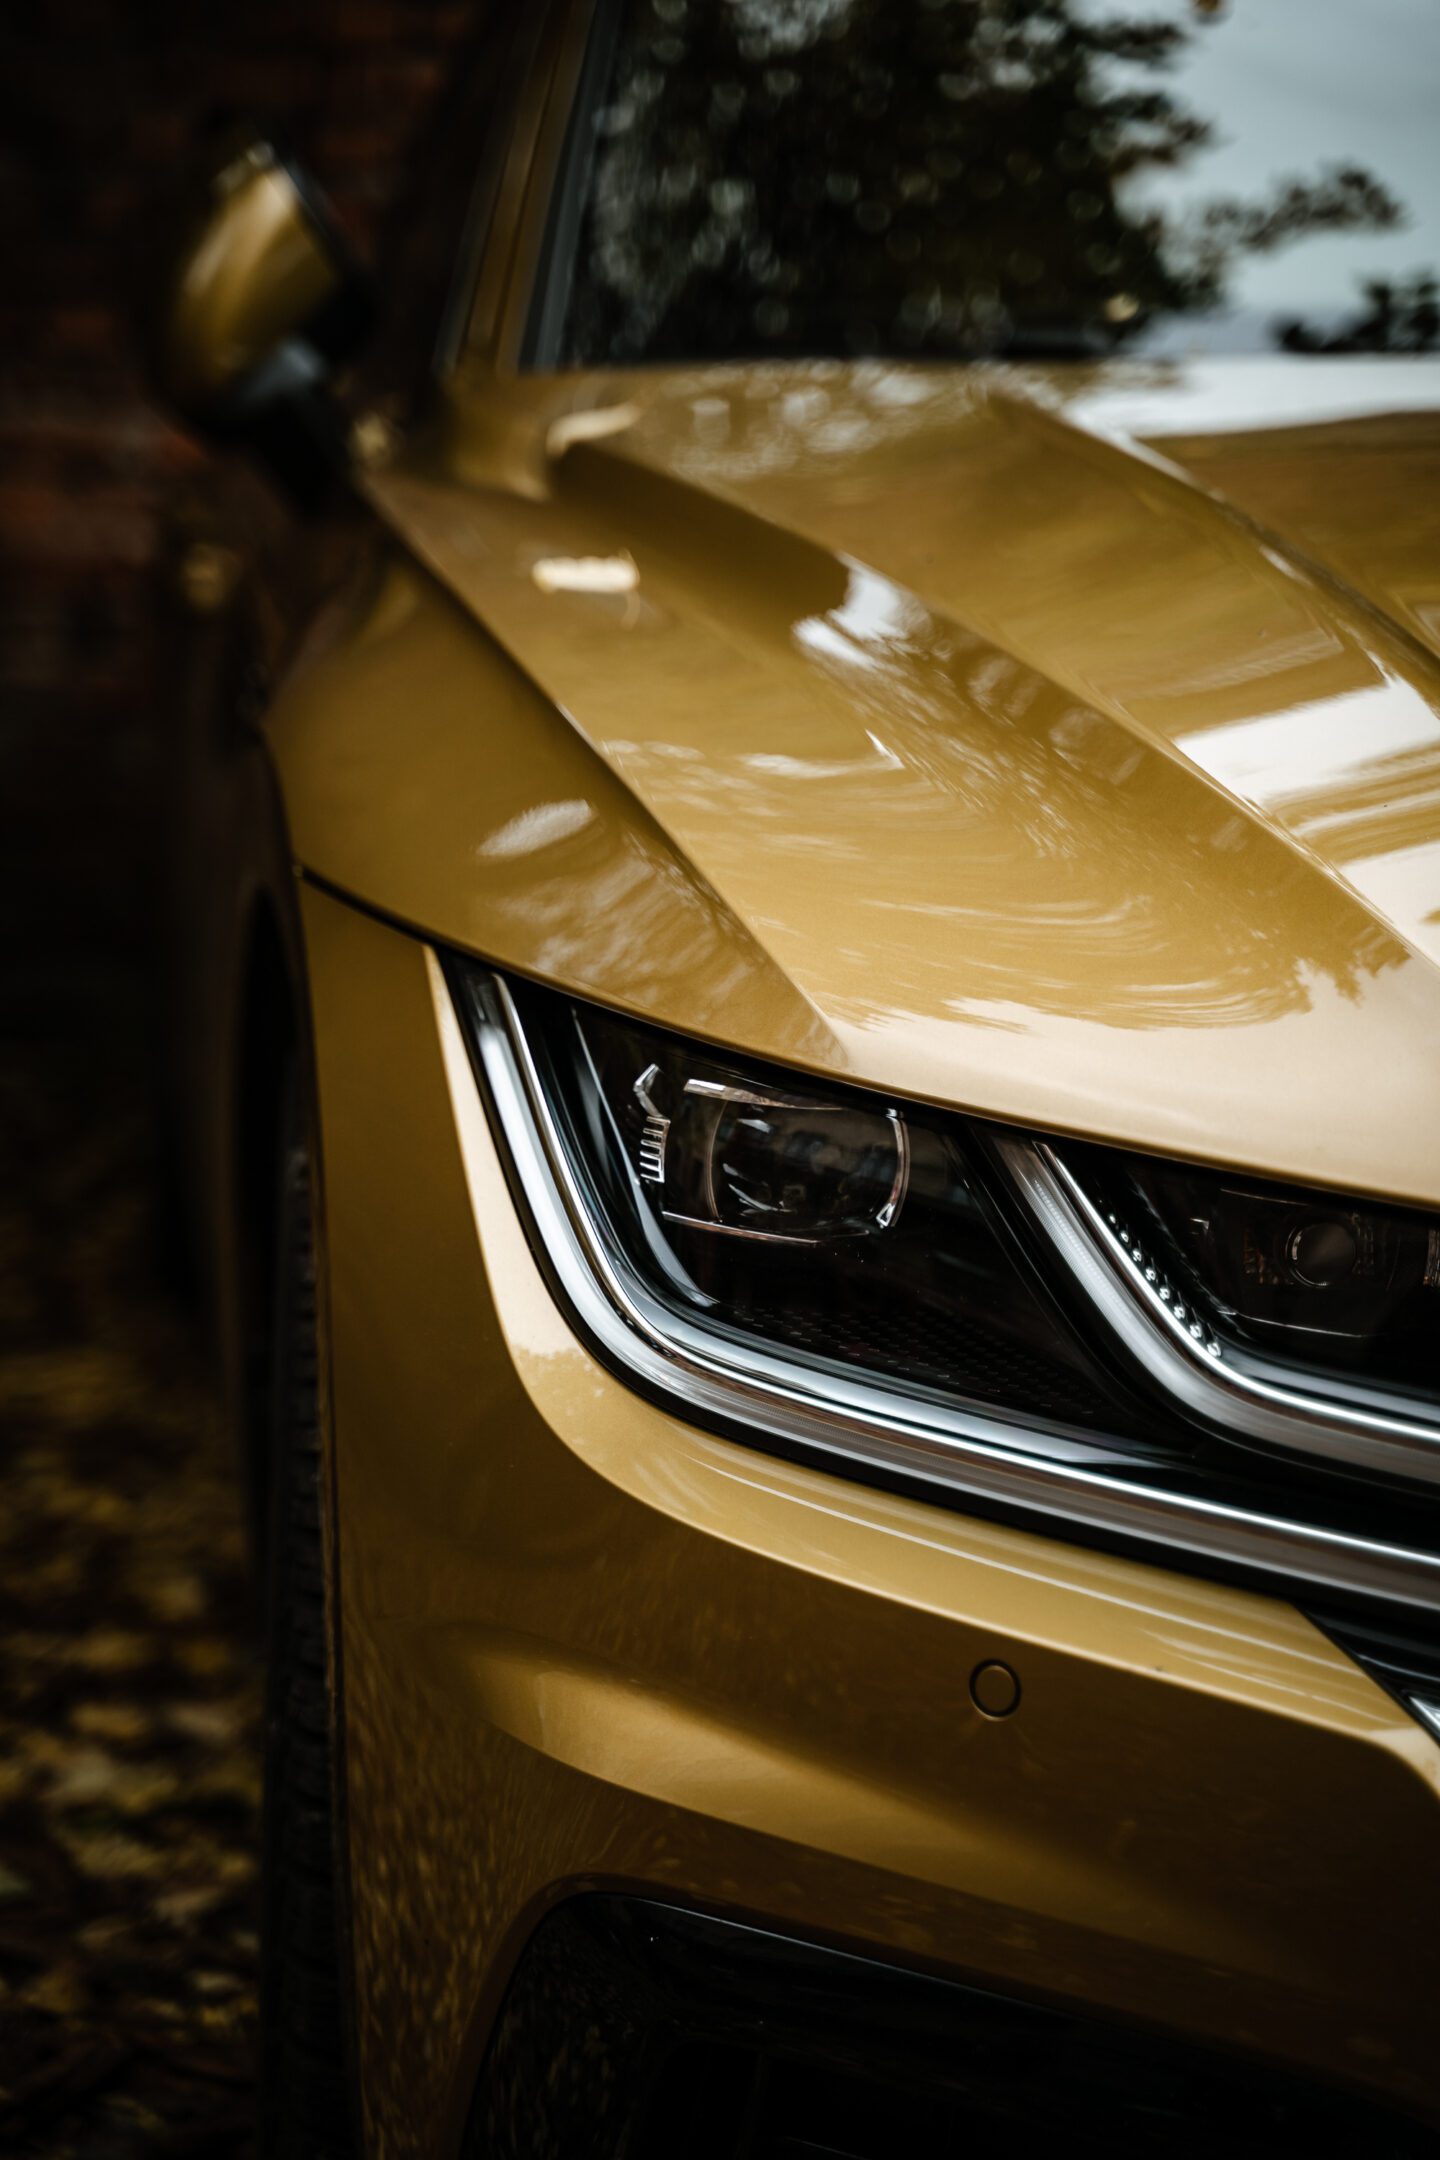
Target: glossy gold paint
938,736
255,273
586,1644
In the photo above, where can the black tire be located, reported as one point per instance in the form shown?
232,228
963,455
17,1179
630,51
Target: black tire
305,2091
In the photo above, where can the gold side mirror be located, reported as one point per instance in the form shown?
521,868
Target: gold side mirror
264,302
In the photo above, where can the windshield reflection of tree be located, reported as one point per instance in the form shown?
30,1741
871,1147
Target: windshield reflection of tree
843,176
1400,315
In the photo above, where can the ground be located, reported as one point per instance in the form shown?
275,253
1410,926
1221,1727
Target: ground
129,1691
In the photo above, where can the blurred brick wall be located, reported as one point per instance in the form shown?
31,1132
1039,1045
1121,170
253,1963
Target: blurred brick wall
99,105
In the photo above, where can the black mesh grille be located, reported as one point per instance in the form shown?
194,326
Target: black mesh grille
936,1350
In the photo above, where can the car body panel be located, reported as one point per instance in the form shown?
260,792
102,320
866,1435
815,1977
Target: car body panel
1341,455
988,758
1059,744
587,1644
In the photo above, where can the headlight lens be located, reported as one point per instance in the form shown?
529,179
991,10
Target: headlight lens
754,1162
1322,1284
852,1231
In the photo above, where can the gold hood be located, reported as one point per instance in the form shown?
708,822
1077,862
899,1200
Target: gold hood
1062,745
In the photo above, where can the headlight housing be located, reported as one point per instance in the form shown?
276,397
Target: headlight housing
1343,1292
858,1237
1041,1326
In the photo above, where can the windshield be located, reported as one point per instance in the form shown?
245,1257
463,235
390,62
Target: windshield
963,178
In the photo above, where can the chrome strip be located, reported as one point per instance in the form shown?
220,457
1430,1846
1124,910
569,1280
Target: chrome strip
1067,1482
1197,1375
1425,1707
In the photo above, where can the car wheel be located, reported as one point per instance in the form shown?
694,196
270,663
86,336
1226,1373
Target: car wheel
305,2100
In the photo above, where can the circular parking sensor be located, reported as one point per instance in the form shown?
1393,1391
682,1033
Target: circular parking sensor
994,1689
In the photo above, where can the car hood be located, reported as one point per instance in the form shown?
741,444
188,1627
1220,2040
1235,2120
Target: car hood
1059,744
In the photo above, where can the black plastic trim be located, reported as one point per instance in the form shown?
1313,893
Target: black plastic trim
633,2030
1400,1651
550,296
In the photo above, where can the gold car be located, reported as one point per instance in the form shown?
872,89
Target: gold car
810,877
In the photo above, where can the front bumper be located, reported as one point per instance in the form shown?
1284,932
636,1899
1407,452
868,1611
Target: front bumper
637,2029
586,1646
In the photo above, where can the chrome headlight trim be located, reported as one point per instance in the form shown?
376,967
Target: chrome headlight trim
1062,1484
1282,1414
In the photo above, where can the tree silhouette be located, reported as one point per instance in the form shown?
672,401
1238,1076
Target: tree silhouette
1399,317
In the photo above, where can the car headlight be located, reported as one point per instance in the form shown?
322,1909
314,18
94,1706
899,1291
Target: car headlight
1144,1349
1331,1288
1290,1316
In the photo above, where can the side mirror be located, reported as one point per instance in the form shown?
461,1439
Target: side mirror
264,304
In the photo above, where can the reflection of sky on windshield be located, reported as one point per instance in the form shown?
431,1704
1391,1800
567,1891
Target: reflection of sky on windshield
1225,397
1293,86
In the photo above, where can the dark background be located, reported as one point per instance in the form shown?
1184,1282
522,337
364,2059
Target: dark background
102,104
129,1700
